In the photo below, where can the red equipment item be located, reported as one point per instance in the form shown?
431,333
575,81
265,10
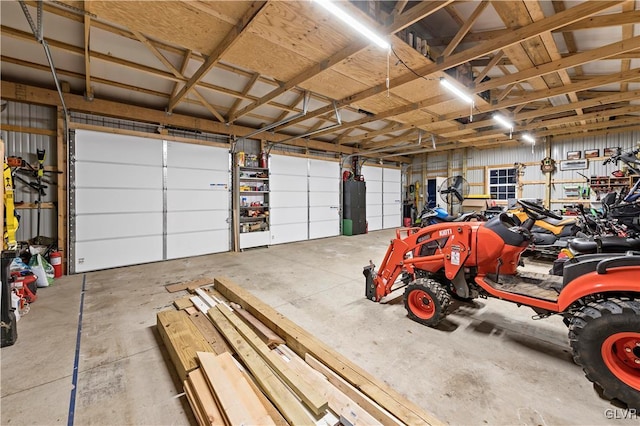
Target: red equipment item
56,261
26,287
598,296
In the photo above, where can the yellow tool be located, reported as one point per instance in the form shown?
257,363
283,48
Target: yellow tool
10,219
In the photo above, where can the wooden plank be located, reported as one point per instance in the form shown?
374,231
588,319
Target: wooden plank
183,303
339,403
309,396
273,412
205,297
195,408
354,394
302,343
182,340
188,285
191,310
240,404
209,410
210,333
199,303
277,392
266,334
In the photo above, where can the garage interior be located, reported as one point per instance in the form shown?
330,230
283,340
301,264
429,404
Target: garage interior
270,144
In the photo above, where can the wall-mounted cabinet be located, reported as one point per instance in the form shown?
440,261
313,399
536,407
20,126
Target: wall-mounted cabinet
253,188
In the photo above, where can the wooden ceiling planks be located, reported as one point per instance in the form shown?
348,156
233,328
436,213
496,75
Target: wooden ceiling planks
171,21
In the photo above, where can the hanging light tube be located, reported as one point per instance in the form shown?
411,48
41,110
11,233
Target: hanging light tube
503,121
528,138
353,23
453,89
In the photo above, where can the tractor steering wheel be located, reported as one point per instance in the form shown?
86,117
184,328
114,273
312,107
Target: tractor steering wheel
536,211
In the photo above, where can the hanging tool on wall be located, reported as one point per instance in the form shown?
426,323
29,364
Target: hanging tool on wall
10,219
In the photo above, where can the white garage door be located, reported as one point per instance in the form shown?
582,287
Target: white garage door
391,198
324,198
128,208
288,212
197,200
117,201
373,180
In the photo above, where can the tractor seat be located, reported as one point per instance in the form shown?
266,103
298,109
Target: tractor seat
609,243
560,222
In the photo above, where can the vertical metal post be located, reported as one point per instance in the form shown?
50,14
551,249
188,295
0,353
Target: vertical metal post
71,201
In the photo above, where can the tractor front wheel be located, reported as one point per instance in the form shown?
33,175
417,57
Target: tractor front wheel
605,338
426,301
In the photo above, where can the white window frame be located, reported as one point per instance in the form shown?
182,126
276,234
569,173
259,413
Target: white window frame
508,181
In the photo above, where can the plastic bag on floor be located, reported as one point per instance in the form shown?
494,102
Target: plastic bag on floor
43,270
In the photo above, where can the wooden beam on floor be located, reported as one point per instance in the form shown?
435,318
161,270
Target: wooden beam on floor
302,343
182,340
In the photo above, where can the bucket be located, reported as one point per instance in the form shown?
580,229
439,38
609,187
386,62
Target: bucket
407,222
56,262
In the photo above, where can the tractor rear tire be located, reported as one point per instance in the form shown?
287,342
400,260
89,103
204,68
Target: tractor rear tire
605,338
426,301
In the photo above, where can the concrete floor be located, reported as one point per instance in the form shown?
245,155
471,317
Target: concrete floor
487,363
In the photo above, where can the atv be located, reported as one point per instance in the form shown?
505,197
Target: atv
599,298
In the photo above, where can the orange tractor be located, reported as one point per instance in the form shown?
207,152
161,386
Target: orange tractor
598,297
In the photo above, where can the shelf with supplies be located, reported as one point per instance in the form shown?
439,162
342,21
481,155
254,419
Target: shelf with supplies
253,189
608,184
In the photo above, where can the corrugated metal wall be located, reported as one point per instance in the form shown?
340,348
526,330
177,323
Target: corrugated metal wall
437,163
22,144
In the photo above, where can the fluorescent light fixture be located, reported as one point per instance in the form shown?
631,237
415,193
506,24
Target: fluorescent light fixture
503,121
453,89
528,138
353,23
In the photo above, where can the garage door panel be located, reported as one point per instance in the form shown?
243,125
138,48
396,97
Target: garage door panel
102,254
374,223
118,200
103,175
392,221
391,175
193,221
323,184
323,168
330,199
374,210
390,209
186,200
125,225
287,183
289,233
110,148
323,213
324,229
287,199
285,165
288,215
391,198
374,186
193,156
197,243
372,173
214,180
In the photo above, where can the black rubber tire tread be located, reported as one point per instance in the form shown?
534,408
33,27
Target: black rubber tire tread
439,295
589,328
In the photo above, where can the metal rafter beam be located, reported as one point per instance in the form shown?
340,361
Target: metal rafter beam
397,23
227,43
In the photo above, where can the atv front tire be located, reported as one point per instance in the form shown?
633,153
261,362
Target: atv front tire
426,301
605,338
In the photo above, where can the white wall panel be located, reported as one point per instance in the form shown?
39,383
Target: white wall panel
197,243
283,199
98,200
285,165
106,175
287,183
288,233
285,215
108,226
191,156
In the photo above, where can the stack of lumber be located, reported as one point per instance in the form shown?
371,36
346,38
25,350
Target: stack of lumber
241,362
